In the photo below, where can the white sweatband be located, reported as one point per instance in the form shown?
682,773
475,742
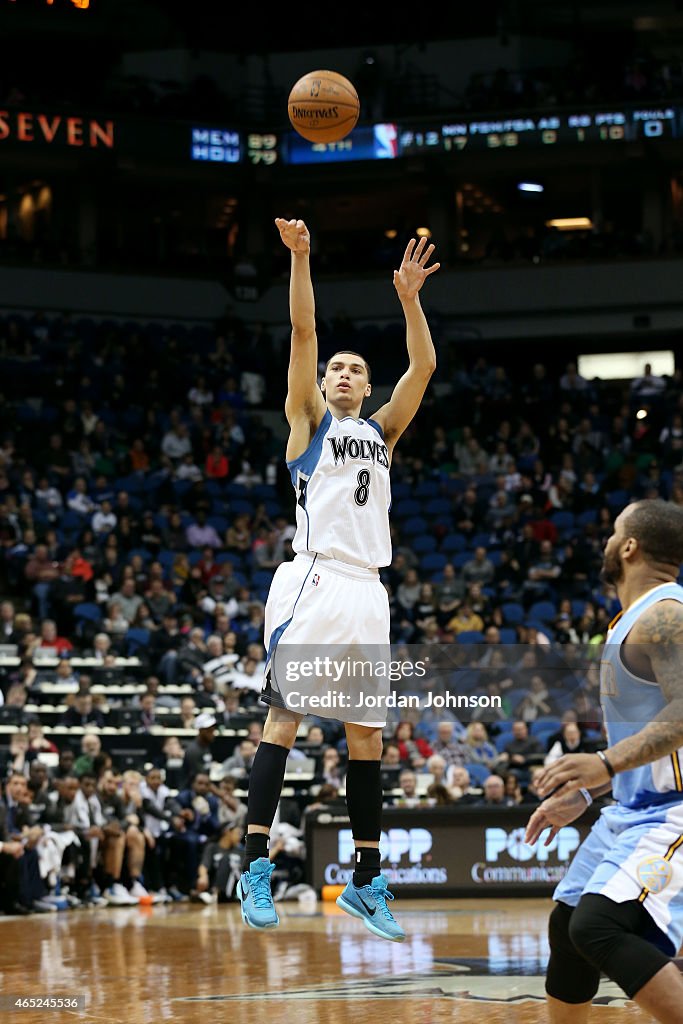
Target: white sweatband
586,796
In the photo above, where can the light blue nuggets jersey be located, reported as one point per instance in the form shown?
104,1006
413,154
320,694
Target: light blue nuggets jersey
343,493
629,703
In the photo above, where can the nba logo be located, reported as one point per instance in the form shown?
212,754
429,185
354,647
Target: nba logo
316,580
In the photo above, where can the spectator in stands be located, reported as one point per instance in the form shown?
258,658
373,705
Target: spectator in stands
513,790
82,713
194,822
91,747
447,745
521,751
478,569
239,763
200,534
649,386
198,756
460,785
38,743
123,838
464,621
436,766
331,772
408,591
231,810
192,657
408,796
413,750
478,748
541,574
536,703
572,382
176,442
147,715
128,600
571,742
50,639
494,793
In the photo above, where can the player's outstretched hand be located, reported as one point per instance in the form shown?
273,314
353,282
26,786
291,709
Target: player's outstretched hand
413,272
572,772
554,813
294,234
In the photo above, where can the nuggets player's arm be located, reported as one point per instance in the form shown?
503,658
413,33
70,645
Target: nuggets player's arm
656,647
304,405
658,635
405,400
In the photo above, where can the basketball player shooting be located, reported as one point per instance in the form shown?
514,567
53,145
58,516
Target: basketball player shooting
619,908
331,592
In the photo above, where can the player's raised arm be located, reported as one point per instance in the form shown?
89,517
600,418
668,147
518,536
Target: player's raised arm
395,416
304,400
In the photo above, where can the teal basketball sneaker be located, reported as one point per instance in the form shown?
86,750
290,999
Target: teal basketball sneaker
369,903
255,896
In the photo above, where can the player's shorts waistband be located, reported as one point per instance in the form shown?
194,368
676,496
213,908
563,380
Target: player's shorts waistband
355,572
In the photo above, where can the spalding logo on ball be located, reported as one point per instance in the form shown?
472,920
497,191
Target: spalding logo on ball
323,106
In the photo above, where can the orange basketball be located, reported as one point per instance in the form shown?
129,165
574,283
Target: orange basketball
323,106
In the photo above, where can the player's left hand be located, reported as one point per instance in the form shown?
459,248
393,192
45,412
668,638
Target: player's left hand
413,272
572,772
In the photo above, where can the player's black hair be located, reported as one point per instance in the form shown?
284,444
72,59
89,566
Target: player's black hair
349,352
657,525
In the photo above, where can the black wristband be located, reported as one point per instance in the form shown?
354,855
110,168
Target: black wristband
607,763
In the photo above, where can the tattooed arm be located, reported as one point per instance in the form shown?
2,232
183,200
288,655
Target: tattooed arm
659,634
657,640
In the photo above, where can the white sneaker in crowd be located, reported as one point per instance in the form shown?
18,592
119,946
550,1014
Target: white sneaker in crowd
118,896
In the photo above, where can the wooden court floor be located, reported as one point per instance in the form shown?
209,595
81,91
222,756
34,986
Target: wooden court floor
464,960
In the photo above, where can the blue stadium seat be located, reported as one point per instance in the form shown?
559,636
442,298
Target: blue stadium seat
219,523
438,507
494,557
453,542
263,578
563,520
508,636
240,506
88,611
416,524
427,489
588,517
461,559
470,636
513,613
405,508
578,606
433,562
480,540
230,556
479,773
424,544
502,740
545,722
617,500
400,491
135,639
544,611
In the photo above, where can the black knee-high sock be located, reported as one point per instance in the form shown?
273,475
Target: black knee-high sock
364,803
265,786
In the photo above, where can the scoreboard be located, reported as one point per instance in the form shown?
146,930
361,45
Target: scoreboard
580,127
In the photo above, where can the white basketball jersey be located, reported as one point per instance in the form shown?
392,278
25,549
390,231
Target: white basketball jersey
343,493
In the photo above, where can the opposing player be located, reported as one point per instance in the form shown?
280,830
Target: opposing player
331,593
620,906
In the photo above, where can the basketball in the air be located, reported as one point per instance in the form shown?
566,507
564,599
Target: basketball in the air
323,106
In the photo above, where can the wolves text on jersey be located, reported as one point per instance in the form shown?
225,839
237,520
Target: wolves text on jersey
357,448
